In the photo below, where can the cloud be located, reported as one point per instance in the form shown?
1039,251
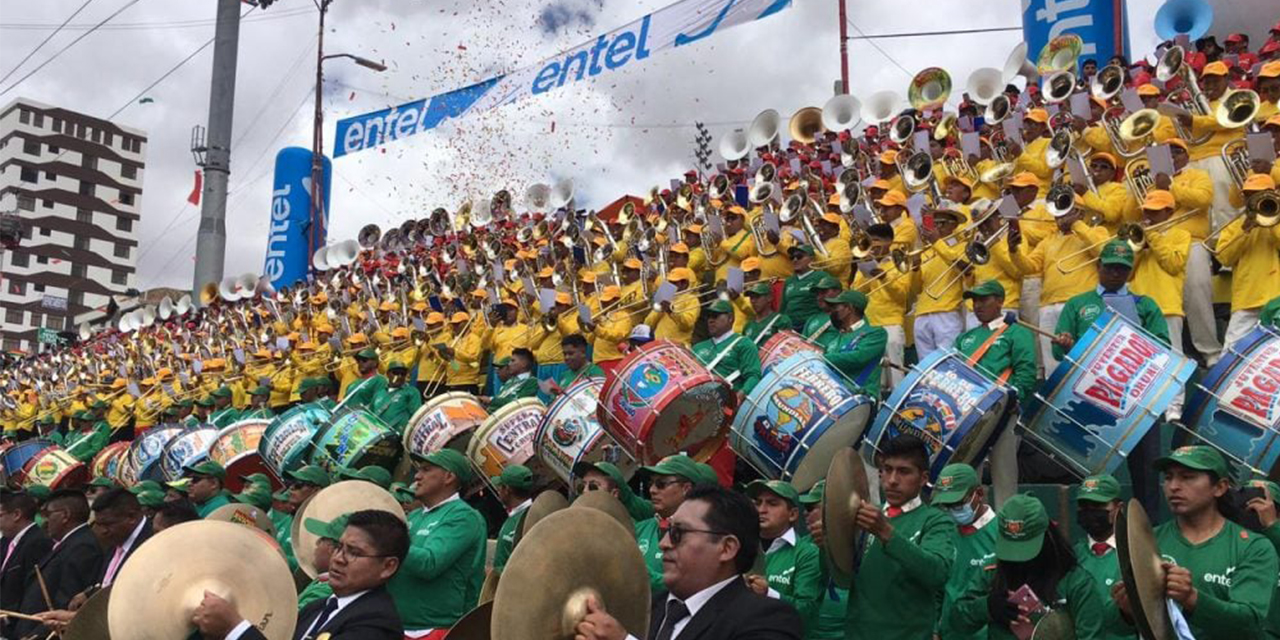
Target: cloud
568,14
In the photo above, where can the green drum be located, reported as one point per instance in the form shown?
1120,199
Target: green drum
287,441
354,440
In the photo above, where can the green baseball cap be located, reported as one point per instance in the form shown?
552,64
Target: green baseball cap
83,415
205,468
188,403
953,484
222,392
309,474
103,482
99,404
366,354
257,478
146,485
516,476
759,289
826,283
720,306
151,499
803,248
451,461
1117,252
777,487
205,402
814,495
261,390
180,485
170,411
397,365
1022,522
374,474
331,530
985,288
402,492
502,362
39,491
307,384
685,467
853,298
1200,457
280,496
254,495
1100,488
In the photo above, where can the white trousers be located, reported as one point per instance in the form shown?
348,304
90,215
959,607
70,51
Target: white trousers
1049,315
895,350
1197,304
937,330
1029,311
1174,412
1220,211
1241,323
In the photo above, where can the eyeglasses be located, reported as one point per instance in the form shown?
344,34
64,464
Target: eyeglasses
351,553
677,533
662,483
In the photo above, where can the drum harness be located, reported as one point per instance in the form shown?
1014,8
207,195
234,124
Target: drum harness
982,351
723,352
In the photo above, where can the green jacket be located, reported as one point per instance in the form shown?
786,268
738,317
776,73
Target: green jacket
1081,310
761,329
794,571
820,331
900,584
191,421
84,445
567,378
973,552
1013,351
396,406
514,389
208,506
265,413
647,536
857,354
1272,534
798,302
1269,316
742,360
507,537
1076,592
1105,571
55,437
440,580
362,392
317,590
284,536
224,417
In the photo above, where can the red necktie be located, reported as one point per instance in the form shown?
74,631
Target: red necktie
1101,548
968,529
894,512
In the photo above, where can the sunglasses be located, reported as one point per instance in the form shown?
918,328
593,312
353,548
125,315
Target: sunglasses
592,486
662,483
677,533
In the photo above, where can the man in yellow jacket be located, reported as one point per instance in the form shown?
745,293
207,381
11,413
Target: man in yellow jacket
1109,198
431,365
999,265
888,293
1253,253
1193,191
838,260
609,329
463,371
674,319
892,210
1035,138
938,315
1208,154
1160,268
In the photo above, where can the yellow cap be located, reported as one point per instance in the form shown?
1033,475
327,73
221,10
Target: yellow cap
631,263
964,180
358,338
320,298
419,306
750,264
387,305
381,338
680,274
881,183
1215,69
1158,199
693,228
1148,89
563,298
435,317
459,317
1270,70
611,292
831,217
1273,121
736,210
1025,179
892,198
400,332
679,247
546,272
889,156
260,353
1037,115
589,277
1258,182
148,382
1103,155
307,346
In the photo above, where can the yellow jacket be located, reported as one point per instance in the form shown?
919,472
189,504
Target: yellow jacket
281,387
676,326
120,411
905,233
430,364
1254,262
634,300
936,271
347,373
839,259
985,189
742,313
735,248
1001,268
611,330
1160,270
1113,201
502,340
1085,241
1036,225
464,368
1193,189
1032,159
1096,138
1212,147
887,295
546,344
408,354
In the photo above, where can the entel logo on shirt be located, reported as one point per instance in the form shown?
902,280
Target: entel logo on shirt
1223,579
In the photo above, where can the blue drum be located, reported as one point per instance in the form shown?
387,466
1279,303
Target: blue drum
144,454
956,410
1236,407
1104,397
15,458
187,448
797,418
286,443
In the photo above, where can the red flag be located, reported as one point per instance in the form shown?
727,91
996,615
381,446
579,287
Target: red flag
194,198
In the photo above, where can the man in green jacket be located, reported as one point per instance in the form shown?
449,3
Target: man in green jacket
859,347
440,579
88,439
519,382
361,393
398,402
1265,507
959,495
730,355
766,321
372,473
199,413
577,365
328,535
798,300
793,569
205,488
606,476
223,412
258,408
1097,505
302,483
829,621
669,482
514,487
820,329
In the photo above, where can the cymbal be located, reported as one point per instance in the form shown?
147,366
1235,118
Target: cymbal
246,514
330,502
1056,625
474,625
579,552
547,503
489,586
846,490
1142,572
90,622
606,502
163,582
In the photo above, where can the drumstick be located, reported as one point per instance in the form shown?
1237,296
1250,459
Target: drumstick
1011,318
18,616
891,365
44,589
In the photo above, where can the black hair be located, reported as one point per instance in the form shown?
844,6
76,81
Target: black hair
117,499
521,352
389,534
909,447
574,340
880,231
1092,61
734,514
1043,572
20,501
177,512
76,505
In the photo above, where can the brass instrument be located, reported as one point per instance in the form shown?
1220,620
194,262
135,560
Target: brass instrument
958,165
1263,207
759,234
1138,177
1059,86
901,128
1235,155
1136,234
1135,129
806,125
1062,147
919,176
1237,108
1107,83
1172,64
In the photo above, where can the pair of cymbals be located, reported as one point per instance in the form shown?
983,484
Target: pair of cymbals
245,514
845,491
90,622
164,581
331,502
1142,570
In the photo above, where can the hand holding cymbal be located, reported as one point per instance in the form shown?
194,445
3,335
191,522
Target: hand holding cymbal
215,617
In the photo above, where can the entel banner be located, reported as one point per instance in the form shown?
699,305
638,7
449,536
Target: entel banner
288,256
1101,24
677,25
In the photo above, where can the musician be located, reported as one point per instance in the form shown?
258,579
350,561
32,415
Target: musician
462,373
1207,155
729,354
1097,507
1270,313
635,291
606,476
609,330
713,540
798,300
514,489
674,319
838,258
224,413
889,171
893,212
508,333
1220,574
120,529
303,483
737,244
398,402
25,544
441,575
1159,269
859,346
1268,88
1109,198
959,494
577,365
765,321
431,366
120,410
793,571
1031,156
1251,252
401,348
206,488
71,564
371,552
328,539
669,482
939,318
1031,552
258,408
546,333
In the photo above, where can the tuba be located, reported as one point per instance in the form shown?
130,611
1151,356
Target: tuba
764,129
840,113
734,145
881,107
1237,108
929,89
806,125
1138,177
1235,155
1136,128
1059,86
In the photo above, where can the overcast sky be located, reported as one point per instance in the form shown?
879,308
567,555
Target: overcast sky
623,133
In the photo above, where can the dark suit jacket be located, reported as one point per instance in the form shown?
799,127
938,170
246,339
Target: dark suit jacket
735,613
371,617
68,569
33,546
106,555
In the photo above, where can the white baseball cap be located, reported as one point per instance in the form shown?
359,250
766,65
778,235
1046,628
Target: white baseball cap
641,332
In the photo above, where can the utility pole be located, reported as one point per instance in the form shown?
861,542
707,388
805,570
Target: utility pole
211,241
316,231
844,48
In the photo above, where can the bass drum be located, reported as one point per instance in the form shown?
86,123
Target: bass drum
144,454
353,440
109,462
188,447
55,468
660,400
286,443
571,433
445,421
506,438
797,418
1234,407
236,449
15,458
783,345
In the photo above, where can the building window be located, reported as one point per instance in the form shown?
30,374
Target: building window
19,259
47,203
49,175
82,243
77,271
24,116
39,120
14,316
53,149
108,139
29,174
89,162
122,250
35,319
80,131
39,288
46,231
17,288
53,322
75,298
84,215
119,277
97,135
128,171
42,259
57,125
86,188
11,344
123,224
126,199
31,147
26,203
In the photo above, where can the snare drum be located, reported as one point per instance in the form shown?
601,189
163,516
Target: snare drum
15,459
287,441
956,410
188,447
506,438
236,449
355,439
144,454
107,463
1235,406
445,421
660,400
796,420
783,345
570,433
55,468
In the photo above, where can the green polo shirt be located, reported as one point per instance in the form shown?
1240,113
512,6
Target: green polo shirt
1076,592
514,389
567,378
84,445
1270,313
224,417
284,536
975,549
440,580
647,536
794,571
396,406
857,354
208,506
1081,310
898,591
1105,571
361,393
1272,534
1235,574
1014,351
191,421
507,536
761,329
798,302
820,330
741,359
317,590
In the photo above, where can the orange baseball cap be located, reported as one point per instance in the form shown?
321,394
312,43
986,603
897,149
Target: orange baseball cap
1258,182
693,228
1215,69
563,298
1148,89
831,217
680,247
750,264
1273,121
589,277
611,292
889,156
546,272
1037,115
893,198
680,274
435,317
1270,70
1103,155
460,317
1158,199
400,332
631,263
881,183
1025,179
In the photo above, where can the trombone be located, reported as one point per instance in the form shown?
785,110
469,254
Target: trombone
1263,207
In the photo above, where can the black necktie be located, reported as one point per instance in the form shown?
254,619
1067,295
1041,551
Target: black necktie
676,611
330,606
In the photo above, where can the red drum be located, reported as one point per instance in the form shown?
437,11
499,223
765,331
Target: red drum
661,401
56,469
236,449
444,421
783,345
107,464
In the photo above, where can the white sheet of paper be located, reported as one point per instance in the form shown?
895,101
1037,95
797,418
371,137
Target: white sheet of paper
863,216
546,300
920,140
1013,129
1008,208
1080,105
866,266
1161,159
1260,146
734,279
970,144
915,204
1129,98
1078,174
665,293
584,314
771,221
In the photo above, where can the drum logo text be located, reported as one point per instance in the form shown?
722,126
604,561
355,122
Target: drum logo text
1254,392
1121,372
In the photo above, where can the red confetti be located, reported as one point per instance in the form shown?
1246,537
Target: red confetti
353,96
462,47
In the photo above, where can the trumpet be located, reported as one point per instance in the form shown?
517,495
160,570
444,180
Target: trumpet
1136,234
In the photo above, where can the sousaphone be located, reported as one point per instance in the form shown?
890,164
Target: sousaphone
764,129
369,235
734,145
806,124
929,89
841,112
